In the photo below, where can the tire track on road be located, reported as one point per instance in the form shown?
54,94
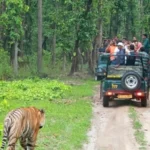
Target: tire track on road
111,127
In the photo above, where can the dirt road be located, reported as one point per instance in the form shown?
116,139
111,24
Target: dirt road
112,128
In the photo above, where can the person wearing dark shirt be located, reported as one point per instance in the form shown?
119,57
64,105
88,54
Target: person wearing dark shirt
146,44
132,56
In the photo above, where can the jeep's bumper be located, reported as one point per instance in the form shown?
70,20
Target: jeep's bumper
121,94
100,74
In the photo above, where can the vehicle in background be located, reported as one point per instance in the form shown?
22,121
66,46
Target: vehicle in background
126,82
100,70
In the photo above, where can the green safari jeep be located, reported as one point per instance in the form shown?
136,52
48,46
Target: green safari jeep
126,82
100,70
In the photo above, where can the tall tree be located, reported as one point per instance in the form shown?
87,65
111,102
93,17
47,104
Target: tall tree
72,30
11,20
39,54
85,32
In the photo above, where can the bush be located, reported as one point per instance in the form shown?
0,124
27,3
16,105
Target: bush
5,67
4,105
32,90
48,70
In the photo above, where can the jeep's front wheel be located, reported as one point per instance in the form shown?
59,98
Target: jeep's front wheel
144,101
105,101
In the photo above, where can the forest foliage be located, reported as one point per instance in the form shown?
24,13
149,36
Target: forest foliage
72,31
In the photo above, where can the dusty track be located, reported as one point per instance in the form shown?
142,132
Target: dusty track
112,128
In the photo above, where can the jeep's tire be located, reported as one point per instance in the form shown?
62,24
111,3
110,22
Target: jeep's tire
98,78
144,102
105,101
131,81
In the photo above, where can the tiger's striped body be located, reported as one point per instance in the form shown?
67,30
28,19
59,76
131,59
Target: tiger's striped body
22,124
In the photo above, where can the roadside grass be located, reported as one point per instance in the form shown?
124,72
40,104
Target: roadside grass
139,133
67,118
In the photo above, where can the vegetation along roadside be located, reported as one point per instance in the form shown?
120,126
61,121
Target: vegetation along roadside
139,133
68,108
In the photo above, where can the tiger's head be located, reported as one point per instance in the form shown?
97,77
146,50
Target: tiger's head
41,118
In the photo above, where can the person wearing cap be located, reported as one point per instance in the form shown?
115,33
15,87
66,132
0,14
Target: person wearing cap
119,55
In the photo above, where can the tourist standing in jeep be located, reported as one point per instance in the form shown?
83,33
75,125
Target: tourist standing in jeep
146,43
119,55
111,48
137,44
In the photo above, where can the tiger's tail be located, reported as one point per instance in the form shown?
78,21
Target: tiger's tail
3,142
5,133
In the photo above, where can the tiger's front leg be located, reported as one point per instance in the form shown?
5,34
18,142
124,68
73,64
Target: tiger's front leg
31,142
30,146
23,143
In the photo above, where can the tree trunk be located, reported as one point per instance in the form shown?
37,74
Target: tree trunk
28,30
98,44
100,24
141,15
127,26
64,61
44,44
54,47
39,55
75,60
100,32
2,8
15,58
90,62
80,59
21,45
110,25
98,40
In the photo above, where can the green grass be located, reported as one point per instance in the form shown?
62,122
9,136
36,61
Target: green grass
67,118
139,133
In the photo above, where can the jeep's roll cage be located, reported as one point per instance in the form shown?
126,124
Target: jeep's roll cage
138,56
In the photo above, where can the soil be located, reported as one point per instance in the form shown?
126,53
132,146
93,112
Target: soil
112,128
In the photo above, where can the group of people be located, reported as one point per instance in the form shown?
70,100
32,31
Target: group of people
124,47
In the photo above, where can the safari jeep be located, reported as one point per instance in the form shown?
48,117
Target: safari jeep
100,70
126,82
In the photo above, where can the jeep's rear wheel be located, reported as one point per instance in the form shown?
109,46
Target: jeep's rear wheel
144,101
97,78
131,81
105,101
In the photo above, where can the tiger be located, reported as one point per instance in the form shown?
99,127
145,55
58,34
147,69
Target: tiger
22,124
